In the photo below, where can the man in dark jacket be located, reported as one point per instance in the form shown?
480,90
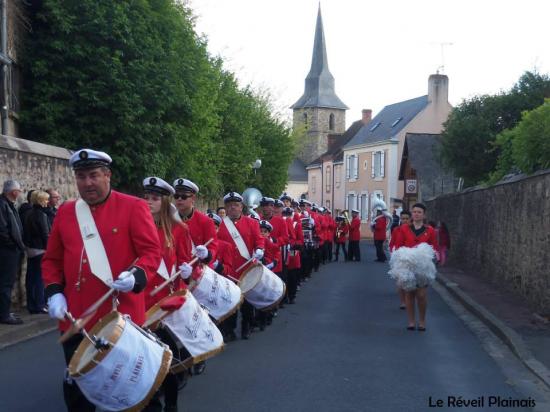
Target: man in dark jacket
11,248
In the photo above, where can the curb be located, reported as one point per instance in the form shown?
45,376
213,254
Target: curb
510,337
32,330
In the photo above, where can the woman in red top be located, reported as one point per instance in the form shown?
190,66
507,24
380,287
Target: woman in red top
411,236
175,243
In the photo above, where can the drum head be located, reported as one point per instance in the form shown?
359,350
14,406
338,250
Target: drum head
86,355
250,278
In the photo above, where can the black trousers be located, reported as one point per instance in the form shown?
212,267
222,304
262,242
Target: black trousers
316,258
34,284
337,251
247,313
9,265
380,254
292,282
353,250
329,250
307,261
229,324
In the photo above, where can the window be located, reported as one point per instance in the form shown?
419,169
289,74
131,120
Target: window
327,178
348,162
313,183
352,167
327,204
351,201
378,166
331,122
364,209
373,128
396,121
337,171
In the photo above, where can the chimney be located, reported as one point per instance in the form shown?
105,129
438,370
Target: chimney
367,116
438,88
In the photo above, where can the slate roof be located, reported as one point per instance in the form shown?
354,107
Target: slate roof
319,85
423,153
389,122
297,171
336,152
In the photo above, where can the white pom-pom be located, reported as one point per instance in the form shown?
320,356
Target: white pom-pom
412,268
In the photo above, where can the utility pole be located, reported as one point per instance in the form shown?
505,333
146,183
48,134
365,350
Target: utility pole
5,61
441,68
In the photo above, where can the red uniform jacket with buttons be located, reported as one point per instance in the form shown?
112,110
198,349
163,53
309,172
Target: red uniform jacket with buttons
129,235
355,229
408,238
226,253
294,260
250,232
202,229
342,232
173,256
380,226
272,255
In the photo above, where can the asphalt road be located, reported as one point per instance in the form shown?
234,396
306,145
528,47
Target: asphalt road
342,347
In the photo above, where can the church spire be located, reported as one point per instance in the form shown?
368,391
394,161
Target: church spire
319,87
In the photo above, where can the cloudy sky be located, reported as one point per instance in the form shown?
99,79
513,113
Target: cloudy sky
380,52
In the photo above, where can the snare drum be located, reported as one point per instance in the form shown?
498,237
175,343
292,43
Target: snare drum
125,375
262,288
218,294
190,326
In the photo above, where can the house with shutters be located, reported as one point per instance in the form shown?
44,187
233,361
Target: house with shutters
372,158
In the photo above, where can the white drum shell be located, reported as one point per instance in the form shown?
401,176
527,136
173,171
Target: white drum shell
268,291
192,326
218,294
126,375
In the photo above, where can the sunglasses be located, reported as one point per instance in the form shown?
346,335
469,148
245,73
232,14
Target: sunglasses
182,197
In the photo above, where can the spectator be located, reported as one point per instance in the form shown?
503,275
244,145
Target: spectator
221,212
37,230
25,207
11,248
395,220
53,204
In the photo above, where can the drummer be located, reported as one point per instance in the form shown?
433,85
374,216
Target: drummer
121,252
244,233
175,243
224,266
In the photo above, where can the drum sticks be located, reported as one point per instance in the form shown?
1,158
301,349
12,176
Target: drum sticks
175,275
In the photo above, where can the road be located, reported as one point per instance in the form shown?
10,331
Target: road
342,347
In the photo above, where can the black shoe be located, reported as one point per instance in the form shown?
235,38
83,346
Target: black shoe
199,368
11,320
245,335
231,336
292,301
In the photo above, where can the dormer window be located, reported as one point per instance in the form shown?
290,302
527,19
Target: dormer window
373,128
305,118
396,122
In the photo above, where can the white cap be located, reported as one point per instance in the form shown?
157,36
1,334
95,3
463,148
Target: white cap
185,185
266,225
354,211
88,158
232,197
157,185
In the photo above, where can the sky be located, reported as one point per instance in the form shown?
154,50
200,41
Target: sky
379,52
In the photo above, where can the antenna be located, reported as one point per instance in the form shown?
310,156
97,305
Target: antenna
441,68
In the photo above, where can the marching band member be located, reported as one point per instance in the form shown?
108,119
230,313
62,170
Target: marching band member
296,245
225,267
331,234
410,236
341,234
379,229
104,240
405,218
272,258
280,231
201,229
244,232
200,226
354,253
308,227
175,244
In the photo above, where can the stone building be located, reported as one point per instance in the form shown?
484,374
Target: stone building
319,111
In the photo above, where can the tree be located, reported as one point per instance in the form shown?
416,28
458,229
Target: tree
469,145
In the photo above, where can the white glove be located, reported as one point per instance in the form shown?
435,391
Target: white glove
186,270
258,254
125,282
57,306
201,251
270,265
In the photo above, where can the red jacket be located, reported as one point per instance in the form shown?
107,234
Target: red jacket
297,241
226,253
380,226
173,257
250,232
127,230
272,255
407,238
355,229
342,232
202,229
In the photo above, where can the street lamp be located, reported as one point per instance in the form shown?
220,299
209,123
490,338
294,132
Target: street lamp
256,165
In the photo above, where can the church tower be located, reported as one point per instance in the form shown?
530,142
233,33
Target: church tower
319,111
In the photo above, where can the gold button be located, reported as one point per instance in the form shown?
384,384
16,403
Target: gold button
83,280
84,261
115,230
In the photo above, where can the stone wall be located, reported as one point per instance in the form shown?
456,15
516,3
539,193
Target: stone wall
502,233
36,166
